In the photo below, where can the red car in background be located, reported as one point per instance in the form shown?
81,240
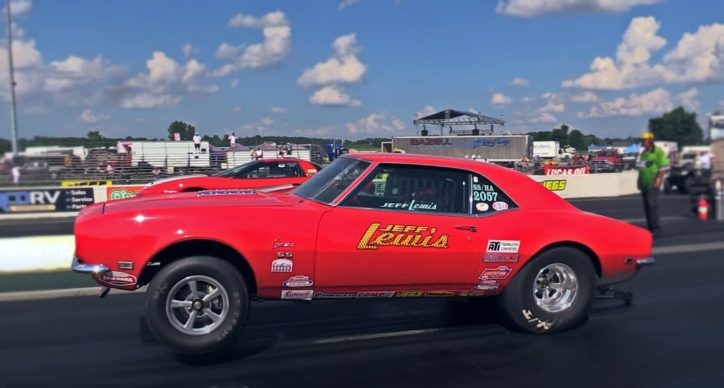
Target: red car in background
264,175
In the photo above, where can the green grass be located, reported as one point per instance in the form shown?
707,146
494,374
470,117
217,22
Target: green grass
44,281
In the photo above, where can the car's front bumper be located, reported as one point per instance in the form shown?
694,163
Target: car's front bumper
79,267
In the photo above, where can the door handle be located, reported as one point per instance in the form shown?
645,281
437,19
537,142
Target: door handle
467,227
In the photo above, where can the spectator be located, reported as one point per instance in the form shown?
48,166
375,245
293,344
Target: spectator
281,151
197,143
16,174
232,142
289,149
705,160
156,172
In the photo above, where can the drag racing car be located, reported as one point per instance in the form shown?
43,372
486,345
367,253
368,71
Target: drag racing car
366,226
281,174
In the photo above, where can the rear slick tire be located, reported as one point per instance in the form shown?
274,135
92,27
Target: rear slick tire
567,276
206,321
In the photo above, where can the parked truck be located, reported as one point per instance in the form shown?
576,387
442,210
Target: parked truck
547,149
494,149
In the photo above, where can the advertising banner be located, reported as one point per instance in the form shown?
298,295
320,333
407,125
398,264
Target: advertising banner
46,200
85,183
566,170
121,192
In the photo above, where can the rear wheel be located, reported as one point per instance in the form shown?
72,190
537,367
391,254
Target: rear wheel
197,305
552,293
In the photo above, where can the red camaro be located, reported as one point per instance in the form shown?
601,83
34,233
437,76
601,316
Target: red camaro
267,174
366,226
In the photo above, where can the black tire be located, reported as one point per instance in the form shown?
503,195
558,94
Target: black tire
518,303
224,334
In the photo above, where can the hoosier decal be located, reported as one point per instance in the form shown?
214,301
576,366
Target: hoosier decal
402,236
499,273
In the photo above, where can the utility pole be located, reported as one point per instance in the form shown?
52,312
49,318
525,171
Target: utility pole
11,71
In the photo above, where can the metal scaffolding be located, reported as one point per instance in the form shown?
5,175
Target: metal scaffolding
451,117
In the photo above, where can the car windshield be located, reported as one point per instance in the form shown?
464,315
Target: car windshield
232,172
606,153
331,181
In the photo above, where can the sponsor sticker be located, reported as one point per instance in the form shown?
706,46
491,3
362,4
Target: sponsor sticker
500,257
498,273
116,278
412,236
297,294
376,294
409,294
411,206
439,294
282,265
500,206
482,207
487,285
322,295
555,185
508,246
298,281
278,244
114,193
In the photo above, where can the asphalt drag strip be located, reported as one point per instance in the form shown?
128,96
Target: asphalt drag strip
669,337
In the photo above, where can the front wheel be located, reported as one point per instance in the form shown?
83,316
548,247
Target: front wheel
197,305
552,293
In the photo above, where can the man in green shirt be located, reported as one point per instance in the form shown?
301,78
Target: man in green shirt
653,165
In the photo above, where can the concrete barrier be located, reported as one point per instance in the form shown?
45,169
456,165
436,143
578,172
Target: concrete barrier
591,185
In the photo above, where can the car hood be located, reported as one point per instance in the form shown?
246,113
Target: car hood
203,199
603,158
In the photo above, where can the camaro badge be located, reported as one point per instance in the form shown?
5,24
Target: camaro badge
402,236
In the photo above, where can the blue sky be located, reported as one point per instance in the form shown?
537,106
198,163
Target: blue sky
354,69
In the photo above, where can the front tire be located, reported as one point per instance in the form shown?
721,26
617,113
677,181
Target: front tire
197,305
566,276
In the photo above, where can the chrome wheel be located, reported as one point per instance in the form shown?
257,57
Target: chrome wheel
197,305
555,288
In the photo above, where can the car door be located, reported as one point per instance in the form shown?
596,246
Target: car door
402,227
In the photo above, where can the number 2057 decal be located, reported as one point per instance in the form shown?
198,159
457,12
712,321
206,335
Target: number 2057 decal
555,185
485,196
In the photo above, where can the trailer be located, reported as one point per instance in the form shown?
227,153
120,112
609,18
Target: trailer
547,149
494,149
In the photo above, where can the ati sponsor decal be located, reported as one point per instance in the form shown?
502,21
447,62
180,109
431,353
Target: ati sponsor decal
555,185
322,295
500,206
376,294
430,141
482,207
412,205
439,294
487,285
117,278
282,265
298,281
297,294
508,246
402,236
550,170
500,257
409,294
499,273
121,192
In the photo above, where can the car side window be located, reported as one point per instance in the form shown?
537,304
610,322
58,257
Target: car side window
274,170
413,189
489,198
262,171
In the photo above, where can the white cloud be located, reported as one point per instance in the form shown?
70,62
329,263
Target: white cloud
376,124
346,3
519,82
522,118
534,8
697,58
554,103
313,132
89,117
341,68
527,100
333,96
585,97
237,109
165,84
654,102
263,126
189,50
278,110
426,111
234,82
19,7
500,100
689,100
276,45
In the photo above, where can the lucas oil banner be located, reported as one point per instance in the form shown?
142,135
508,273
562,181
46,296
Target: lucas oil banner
46,200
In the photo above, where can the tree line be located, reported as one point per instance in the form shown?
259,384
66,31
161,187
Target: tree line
678,125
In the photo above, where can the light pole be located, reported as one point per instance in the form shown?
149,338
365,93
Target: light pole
11,71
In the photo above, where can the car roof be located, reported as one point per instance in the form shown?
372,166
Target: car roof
524,190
